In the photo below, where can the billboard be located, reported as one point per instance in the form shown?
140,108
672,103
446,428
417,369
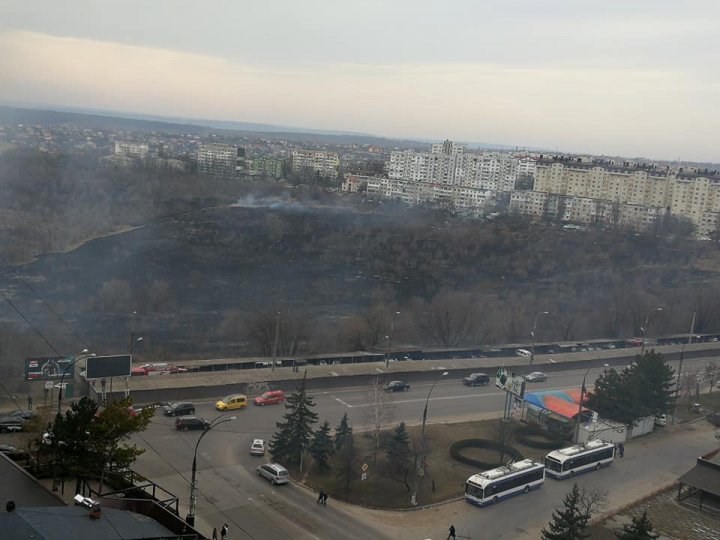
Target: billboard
510,382
102,367
48,368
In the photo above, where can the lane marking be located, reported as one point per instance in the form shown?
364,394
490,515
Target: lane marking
341,401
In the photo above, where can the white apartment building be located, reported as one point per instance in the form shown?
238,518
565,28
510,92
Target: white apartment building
131,149
325,163
219,159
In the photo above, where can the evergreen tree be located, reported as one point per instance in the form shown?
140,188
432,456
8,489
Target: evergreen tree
322,446
656,380
292,436
399,456
346,462
568,523
342,432
640,529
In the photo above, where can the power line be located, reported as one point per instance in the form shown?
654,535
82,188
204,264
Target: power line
24,318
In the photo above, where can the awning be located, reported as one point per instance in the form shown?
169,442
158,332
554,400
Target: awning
703,477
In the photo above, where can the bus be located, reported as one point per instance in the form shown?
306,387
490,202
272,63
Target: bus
491,486
579,458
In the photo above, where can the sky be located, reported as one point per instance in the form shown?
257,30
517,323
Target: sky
614,77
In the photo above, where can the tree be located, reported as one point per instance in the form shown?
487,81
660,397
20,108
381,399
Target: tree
569,522
399,456
712,374
346,463
342,432
655,380
640,529
503,434
378,412
293,435
322,447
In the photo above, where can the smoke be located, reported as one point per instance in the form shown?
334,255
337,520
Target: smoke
273,202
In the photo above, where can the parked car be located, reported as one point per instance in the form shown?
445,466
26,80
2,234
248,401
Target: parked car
183,423
475,379
536,376
257,448
20,413
231,402
661,420
9,424
180,408
158,368
277,474
10,450
397,386
523,352
270,398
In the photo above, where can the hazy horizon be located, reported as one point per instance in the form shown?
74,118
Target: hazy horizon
603,78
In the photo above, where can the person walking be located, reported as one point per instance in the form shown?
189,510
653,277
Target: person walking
30,400
452,532
224,531
321,496
621,448
214,534
325,497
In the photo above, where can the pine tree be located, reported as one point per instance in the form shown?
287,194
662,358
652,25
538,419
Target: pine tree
292,436
342,432
568,523
399,456
346,462
640,529
322,446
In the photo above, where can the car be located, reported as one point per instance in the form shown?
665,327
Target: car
20,413
8,424
183,423
661,420
523,352
270,398
475,379
158,368
276,474
257,448
9,450
397,386
231,402
536,376
180,408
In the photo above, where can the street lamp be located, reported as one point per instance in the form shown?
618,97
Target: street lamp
413,499
644,327
390,338
84,354
532,334
190,519
682,354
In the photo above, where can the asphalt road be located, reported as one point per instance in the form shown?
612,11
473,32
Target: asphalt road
230,491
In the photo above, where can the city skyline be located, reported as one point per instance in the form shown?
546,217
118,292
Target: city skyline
601,78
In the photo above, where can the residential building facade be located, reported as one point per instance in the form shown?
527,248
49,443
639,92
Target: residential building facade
217,159
325,163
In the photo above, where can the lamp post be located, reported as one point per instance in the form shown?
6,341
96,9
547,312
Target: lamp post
644,327
190,519
390,338
84,354
532,334
413,499
582,395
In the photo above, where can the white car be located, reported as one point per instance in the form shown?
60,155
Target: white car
536,376
257,448
661,420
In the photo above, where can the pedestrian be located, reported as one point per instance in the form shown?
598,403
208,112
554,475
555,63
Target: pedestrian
214,535
10,506
325,497
224,531
321,496
30,403
452,532
621,447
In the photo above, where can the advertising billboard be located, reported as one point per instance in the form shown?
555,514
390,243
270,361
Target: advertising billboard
510,382
48,368
104,367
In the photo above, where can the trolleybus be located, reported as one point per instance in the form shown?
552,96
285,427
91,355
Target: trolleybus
491,486
579,458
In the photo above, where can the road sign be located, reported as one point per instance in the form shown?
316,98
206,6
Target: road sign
363,476
364,467
48,385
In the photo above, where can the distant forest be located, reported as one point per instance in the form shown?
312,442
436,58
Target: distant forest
206,267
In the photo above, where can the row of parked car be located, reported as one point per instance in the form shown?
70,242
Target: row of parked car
474,379
15,421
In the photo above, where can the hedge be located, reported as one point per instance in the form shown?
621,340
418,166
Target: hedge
535,437
457,447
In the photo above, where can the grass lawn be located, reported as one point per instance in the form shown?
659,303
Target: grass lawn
445,478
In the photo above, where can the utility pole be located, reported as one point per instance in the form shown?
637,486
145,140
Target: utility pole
682,354
275,341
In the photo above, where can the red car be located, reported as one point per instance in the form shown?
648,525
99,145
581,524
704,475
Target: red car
157,369
270,398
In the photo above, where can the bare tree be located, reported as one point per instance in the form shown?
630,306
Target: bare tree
712,374
379,412
448,319
159,296
503,434
115,295
293,332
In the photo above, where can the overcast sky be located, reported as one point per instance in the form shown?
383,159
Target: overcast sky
627,77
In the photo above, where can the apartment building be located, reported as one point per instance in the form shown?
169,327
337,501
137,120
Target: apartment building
217,159
131,149
325,163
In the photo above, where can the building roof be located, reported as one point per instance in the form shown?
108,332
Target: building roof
703,477
18,486
74,523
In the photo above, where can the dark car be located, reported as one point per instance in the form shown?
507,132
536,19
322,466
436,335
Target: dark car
9,424
397,386
179,409
191,422
23,414
477,379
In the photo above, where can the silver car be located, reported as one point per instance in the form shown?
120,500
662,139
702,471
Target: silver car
536,376
277,474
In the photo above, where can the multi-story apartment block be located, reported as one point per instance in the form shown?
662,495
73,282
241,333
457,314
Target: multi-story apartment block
325,163
272,166
131,149
218,159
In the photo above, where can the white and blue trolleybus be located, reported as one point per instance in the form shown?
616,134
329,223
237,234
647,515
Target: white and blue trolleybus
579,458
491,486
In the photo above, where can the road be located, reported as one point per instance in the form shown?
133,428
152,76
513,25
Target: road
230,491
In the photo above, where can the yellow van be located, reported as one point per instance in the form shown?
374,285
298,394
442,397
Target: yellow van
233,401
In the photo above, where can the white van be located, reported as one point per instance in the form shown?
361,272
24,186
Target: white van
523,352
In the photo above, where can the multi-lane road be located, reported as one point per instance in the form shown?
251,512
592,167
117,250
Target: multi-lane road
230,490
